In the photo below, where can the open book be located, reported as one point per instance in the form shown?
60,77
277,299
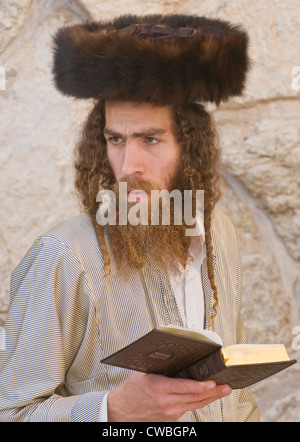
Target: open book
180,352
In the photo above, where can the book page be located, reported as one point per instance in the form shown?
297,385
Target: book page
204,335
254,354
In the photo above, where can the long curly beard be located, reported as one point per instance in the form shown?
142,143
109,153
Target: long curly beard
135,239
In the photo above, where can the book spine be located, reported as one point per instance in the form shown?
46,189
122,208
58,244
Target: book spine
204,368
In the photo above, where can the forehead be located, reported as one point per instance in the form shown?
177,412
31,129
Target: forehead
130,115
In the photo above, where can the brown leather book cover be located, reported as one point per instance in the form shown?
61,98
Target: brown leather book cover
174,355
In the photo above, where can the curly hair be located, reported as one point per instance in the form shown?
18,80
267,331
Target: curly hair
193,129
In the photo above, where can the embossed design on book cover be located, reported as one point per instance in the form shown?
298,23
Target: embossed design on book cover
162,356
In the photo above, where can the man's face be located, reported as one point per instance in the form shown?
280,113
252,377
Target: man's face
143,152
140,143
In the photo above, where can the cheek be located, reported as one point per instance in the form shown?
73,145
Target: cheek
113,162
174,162
173,168
164,171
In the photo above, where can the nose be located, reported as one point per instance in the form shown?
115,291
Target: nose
133,162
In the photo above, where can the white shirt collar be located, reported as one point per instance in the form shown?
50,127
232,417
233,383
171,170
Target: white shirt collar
197,252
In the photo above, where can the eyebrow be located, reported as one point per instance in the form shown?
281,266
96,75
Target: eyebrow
145,133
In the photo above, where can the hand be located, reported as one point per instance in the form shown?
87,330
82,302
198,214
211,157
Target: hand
156,398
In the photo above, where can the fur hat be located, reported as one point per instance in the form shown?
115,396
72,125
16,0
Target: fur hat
158,59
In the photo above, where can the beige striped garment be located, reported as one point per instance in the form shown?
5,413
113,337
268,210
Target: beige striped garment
64,318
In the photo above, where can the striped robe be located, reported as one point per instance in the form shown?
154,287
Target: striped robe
65,316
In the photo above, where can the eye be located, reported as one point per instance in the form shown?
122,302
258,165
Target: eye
115,140
152,141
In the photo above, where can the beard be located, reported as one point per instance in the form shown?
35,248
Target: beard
135,240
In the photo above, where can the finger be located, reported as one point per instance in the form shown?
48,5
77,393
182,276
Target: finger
183,404
211,396
206,395
189,386
187,399
182,386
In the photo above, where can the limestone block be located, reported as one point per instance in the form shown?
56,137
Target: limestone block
269,307
267,303
108,10
261,148
38,132
12,18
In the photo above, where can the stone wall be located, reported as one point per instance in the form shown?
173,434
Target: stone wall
259,132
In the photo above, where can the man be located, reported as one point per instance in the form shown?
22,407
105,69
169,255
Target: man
85,290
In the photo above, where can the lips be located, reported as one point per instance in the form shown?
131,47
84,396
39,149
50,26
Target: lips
135,196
